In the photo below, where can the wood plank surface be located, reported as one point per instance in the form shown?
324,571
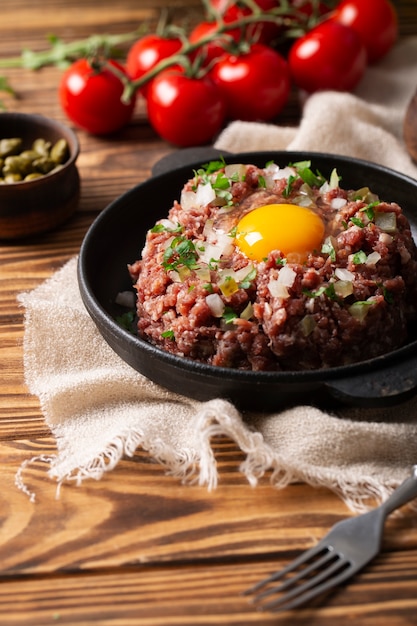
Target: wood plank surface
138,547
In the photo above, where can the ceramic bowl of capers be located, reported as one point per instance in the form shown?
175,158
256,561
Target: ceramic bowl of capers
39,180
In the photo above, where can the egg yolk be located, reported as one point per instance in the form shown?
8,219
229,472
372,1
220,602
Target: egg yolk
293,230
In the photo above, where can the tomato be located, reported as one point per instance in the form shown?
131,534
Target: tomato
262,31
215,48
308,7
330,56
147,52
375,21
255,85
185,111
91,98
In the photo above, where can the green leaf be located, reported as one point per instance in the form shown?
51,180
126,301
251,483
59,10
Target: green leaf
358,222
359,257
229,315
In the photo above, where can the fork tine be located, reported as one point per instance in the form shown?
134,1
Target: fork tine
303,558
317,564
312,587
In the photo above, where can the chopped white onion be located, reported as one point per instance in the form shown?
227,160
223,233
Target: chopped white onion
386,221
273,173
343,288
208,231
126,299
188,200
215,304
286,276
203,273
344,274
405,255
385,238
235,171
338,203
237,275
205,194
168,224
304,200
334,179
247,312
308,324
278,290
373,258
359,310
222,247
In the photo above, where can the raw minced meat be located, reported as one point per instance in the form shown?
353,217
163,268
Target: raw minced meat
199,296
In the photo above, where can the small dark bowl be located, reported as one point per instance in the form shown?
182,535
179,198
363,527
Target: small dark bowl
39,205
116,238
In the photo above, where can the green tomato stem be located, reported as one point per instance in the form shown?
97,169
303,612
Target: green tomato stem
61,53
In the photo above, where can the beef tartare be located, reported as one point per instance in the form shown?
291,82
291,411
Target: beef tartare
276,269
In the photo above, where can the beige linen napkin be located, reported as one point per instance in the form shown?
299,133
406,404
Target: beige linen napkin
99,409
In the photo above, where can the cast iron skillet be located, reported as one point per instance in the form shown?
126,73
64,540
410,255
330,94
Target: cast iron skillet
116,238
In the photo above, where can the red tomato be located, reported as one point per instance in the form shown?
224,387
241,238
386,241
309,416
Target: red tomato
255,85
330,56
185,111
148,52
215,48
91,98
306,7
375,21
261,32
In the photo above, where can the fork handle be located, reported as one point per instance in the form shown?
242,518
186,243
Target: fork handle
404,493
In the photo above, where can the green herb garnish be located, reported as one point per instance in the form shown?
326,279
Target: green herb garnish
358,222
180,252
328,248
160,228
327,290
288,188
246,283
229,315
359,257
126,320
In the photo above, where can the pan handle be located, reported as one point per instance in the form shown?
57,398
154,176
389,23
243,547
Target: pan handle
387,385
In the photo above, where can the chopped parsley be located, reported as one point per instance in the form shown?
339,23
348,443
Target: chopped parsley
288,188
304,171
161,228
180,252
246,283
359,257
262,182
327,290
210,168
229,315
328,248
358,222
168,334
369,210
126,320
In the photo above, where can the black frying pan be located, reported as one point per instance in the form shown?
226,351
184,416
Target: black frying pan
116,238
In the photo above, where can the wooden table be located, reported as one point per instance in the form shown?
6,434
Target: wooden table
138,547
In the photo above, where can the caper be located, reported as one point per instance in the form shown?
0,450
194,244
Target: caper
10,146
30,154
17,165
33,175
44,165
41,146
14,177
42,158
60,151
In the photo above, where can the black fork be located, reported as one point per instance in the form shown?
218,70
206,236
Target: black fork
345,550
